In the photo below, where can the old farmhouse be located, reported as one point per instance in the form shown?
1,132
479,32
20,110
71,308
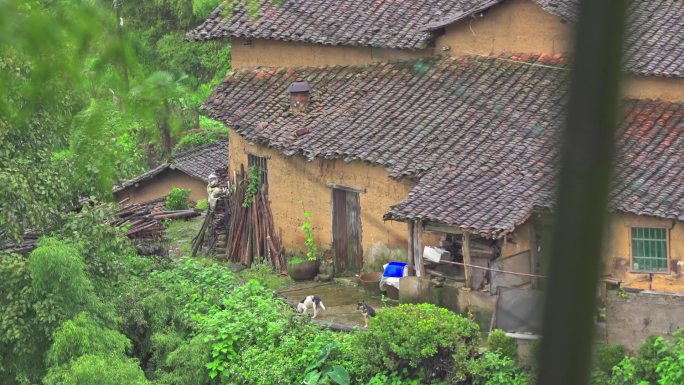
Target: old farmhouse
187,170
403,124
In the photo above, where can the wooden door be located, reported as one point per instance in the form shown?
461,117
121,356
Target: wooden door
346,229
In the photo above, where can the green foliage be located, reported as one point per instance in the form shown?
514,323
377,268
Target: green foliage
309,242
671,369
100,370
103,247
210,132
58,277
178,199
205,62
659,361
202,204
392,379
81,336
498,342
181,362
415,337
319,372
492,368
606,357
253,184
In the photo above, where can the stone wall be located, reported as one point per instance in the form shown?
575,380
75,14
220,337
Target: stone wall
631,317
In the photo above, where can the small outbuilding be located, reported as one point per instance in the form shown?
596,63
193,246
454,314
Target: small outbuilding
188,170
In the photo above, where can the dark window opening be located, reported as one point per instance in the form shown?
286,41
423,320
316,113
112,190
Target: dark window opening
261,163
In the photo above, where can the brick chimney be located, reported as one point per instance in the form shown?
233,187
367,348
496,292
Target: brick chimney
299,96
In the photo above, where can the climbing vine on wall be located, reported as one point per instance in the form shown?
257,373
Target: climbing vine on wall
253,183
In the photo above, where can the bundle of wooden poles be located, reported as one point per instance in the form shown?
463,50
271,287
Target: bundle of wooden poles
146,218
252,235
29,243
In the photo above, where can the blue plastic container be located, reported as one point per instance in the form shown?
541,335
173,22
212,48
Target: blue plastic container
394,269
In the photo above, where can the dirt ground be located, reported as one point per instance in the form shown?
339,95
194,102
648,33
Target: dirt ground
340,301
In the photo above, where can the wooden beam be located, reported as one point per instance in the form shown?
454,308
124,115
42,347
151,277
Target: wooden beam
435,226
466,260
346,188
411,256
418,248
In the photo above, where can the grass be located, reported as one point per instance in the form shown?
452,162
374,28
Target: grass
265,275
180,233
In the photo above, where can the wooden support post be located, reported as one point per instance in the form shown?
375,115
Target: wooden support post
466,260
534,256
411,257
418,248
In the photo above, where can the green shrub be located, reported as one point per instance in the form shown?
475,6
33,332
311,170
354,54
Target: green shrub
658,361
502,344
413,337
82,336
100,370
494,369
609,355
178,199
59,279
185,364
202,204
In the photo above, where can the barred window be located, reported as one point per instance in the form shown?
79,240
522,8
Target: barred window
649,249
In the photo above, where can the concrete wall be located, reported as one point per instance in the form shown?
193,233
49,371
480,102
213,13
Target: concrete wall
293,180
630,320
161,185
618,253
271,53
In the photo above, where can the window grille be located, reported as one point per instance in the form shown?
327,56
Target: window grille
649,249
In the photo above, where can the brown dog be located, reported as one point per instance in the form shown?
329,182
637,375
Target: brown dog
367,311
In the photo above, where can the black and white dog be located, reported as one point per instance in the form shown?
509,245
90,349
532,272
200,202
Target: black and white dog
310,300
367,311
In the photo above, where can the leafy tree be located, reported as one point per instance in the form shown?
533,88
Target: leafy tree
83,335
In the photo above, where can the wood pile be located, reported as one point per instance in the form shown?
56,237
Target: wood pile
146,218
29,243
252,234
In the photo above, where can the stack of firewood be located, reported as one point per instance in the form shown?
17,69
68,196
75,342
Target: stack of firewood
29,243
146,218
252,234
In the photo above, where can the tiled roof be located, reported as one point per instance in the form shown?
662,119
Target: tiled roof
491,199
202,161
375,23
655,38
480,133
199,162
655,34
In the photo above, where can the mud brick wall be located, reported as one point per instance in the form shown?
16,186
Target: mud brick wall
630,320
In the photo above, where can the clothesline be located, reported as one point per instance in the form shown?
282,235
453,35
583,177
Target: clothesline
494,270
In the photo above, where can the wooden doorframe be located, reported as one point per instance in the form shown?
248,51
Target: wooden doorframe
348,221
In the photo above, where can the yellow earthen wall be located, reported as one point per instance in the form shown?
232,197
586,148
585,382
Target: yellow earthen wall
523,26
518,241
650,87
513,26
617,253
161,185
292,180
272,53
